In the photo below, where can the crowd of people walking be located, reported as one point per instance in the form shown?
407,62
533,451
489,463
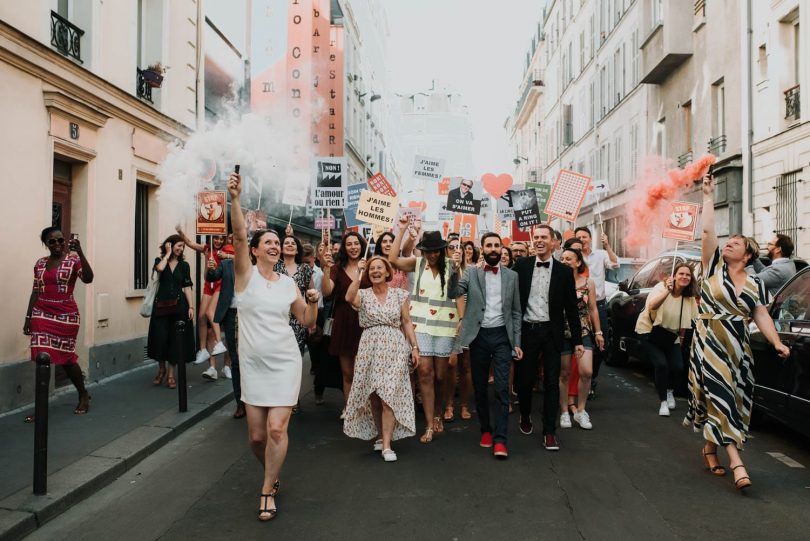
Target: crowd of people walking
426,319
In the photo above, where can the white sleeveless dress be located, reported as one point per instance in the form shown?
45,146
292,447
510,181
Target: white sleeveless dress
269,358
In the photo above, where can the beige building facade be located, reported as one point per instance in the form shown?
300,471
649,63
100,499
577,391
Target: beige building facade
83,138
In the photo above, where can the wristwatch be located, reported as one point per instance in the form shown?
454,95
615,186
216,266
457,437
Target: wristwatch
598,333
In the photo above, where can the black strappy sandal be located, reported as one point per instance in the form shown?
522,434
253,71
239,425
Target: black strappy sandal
743,482
276,488
266,513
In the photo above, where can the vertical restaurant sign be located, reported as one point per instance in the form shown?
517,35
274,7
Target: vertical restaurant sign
329,187
321,34
268,54
211,213
334,112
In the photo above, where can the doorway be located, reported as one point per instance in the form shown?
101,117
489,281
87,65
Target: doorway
60,217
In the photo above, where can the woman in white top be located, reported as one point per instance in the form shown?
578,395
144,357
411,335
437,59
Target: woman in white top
670,309
269,357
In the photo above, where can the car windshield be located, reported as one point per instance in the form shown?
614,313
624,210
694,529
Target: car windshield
792,303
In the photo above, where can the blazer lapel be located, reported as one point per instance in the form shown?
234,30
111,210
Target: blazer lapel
482,281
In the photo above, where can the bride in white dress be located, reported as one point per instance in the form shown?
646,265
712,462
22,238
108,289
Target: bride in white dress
269,358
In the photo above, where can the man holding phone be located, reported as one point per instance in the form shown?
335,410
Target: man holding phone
491,328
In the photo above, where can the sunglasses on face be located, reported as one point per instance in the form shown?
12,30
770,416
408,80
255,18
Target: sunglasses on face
452,246
467,185
56,241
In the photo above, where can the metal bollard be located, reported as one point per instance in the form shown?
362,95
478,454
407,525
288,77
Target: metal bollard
42,382
182,387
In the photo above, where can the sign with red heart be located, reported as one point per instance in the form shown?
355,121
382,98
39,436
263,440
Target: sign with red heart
498,185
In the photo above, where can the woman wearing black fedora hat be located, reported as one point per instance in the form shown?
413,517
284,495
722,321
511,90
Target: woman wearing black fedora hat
436,318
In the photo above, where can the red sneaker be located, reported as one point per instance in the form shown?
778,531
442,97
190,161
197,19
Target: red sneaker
500,451
486,439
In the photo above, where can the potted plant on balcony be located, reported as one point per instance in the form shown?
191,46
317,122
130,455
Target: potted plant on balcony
153,74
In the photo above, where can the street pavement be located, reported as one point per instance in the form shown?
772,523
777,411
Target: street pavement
634,476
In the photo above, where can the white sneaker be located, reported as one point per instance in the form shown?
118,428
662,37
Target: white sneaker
202,356
583,419
378,445
210,373
565,420
226,372
389,455
670,399
219,348
663,411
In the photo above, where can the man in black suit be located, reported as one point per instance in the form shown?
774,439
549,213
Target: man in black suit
548,298
464,191
462,199
225,315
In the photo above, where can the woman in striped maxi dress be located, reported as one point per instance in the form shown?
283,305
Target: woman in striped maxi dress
721,380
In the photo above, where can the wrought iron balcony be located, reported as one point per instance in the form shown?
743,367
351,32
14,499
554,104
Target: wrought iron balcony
717,145
533,81
792,103
684,158
66,37
142,89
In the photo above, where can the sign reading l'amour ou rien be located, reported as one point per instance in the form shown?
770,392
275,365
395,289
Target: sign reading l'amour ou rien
329,188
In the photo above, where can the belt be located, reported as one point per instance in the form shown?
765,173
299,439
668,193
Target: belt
535,324
724,317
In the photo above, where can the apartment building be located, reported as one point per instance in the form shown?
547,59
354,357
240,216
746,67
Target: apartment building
86,128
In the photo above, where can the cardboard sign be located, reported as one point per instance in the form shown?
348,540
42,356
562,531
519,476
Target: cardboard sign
543,193
496,186
325,222
682,221
377,209
329,189
352,198
413,214
376,231
211,213
378,183
466,225
462,198
425,168
255,220
295,194
567,195
527,212
444,186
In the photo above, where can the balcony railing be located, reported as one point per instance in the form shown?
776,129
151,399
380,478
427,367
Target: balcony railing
700,8
684,158
717,145
535,79
142,89
792,103
66,37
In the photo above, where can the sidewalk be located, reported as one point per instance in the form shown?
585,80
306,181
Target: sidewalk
129,419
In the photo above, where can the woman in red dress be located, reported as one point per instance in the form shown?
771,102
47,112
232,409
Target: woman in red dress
52,319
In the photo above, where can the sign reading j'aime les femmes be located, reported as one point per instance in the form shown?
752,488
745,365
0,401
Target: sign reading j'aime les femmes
428,168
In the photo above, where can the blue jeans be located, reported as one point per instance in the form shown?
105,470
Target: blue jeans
230,326
492,346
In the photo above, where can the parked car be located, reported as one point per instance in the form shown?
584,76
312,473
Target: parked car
628,266
626,304
782,386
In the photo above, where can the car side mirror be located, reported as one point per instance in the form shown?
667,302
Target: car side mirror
623,285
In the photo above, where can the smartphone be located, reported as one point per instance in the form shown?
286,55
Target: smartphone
74,236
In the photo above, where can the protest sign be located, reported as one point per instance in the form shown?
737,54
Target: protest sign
255,220
325,222
518,234
524,202
466,225
567,195
378,183
211,213
352,198
329,189
503,207
462,198
295,194
682,221
444,185
413,214
377,209
496,186
543,192
425,168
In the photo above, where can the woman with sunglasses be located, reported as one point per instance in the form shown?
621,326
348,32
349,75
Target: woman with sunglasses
52,318
435,316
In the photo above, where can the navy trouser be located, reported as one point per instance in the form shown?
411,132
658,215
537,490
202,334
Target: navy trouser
492,347
230,325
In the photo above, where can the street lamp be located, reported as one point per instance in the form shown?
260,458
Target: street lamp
516,161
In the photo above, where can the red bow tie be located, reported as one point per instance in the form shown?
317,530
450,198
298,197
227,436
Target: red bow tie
493,270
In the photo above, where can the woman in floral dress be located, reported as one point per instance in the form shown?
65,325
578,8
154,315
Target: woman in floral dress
380,404
291,264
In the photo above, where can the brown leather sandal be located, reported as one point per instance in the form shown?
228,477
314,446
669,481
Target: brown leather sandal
449,414
712,464
159,378
171,383
465,412
427,437
744,481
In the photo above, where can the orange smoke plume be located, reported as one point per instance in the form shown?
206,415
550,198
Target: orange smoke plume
655,187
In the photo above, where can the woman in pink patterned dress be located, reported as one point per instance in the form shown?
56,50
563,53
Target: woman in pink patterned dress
380,404
52,319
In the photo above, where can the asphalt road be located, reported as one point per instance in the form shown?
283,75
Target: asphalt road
634,476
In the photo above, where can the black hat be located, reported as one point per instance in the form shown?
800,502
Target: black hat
431,241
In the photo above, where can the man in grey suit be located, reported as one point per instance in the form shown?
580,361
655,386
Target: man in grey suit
225,315
491,328
782,267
